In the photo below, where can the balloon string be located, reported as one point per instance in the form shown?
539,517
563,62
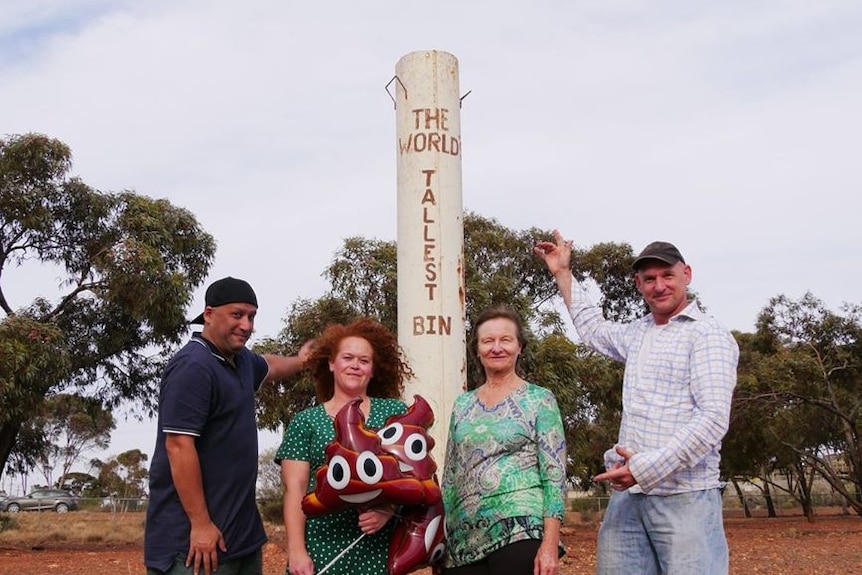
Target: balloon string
337,557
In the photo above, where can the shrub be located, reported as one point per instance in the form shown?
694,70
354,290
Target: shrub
271,511
7,522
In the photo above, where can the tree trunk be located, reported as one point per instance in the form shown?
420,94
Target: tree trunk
8,435
767,497
804,492
742,499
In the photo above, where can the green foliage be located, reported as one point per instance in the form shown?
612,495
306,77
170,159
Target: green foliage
32,353
610,266
128,265
81,484
125,477
798,404
26,455
501,268
71,425
363,273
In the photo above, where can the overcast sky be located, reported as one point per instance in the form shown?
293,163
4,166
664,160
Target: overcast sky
729,128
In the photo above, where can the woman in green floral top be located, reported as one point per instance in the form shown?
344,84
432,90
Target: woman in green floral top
359,360
504,481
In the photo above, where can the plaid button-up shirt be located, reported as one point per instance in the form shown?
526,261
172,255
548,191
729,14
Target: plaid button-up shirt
677,390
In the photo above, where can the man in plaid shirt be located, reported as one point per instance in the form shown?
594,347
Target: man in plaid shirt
664,516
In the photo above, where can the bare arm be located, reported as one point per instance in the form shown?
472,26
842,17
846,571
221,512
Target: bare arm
558,256
295,475
284,366
547,560
205,537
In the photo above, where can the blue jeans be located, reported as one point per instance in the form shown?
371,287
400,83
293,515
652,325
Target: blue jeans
251,564
663,534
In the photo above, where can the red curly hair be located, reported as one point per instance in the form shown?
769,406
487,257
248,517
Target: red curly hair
390,369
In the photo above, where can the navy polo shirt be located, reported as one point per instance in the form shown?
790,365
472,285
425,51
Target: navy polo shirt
204,396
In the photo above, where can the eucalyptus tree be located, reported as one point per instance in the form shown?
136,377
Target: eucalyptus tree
124,479
814,381
748,451
126,266
73,425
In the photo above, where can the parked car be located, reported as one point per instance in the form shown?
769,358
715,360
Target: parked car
41,500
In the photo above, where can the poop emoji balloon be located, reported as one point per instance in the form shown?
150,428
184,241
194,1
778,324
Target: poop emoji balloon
357,471
393,466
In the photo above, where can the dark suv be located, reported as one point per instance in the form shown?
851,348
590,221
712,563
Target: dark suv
41,500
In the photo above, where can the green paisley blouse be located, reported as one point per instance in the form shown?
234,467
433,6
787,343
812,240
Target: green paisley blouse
504,472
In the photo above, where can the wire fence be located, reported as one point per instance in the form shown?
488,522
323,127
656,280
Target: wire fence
588,506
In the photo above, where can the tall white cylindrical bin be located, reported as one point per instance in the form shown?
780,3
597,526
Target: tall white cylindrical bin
431,312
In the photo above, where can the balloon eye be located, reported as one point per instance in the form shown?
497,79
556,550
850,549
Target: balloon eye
369,468
338,474
437,553
416,447
391,433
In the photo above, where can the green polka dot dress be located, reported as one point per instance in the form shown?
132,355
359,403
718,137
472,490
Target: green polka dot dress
305,439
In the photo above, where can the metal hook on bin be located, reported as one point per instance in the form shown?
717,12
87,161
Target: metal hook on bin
403,87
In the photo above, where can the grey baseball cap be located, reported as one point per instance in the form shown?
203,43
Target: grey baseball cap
662,251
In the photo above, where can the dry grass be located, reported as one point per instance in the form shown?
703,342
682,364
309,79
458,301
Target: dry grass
97,543
83,528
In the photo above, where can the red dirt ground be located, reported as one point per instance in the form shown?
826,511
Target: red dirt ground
832,544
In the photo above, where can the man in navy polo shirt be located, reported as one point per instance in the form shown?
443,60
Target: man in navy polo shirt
202,511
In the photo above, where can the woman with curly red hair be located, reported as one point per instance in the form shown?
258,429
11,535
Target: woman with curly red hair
358,360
